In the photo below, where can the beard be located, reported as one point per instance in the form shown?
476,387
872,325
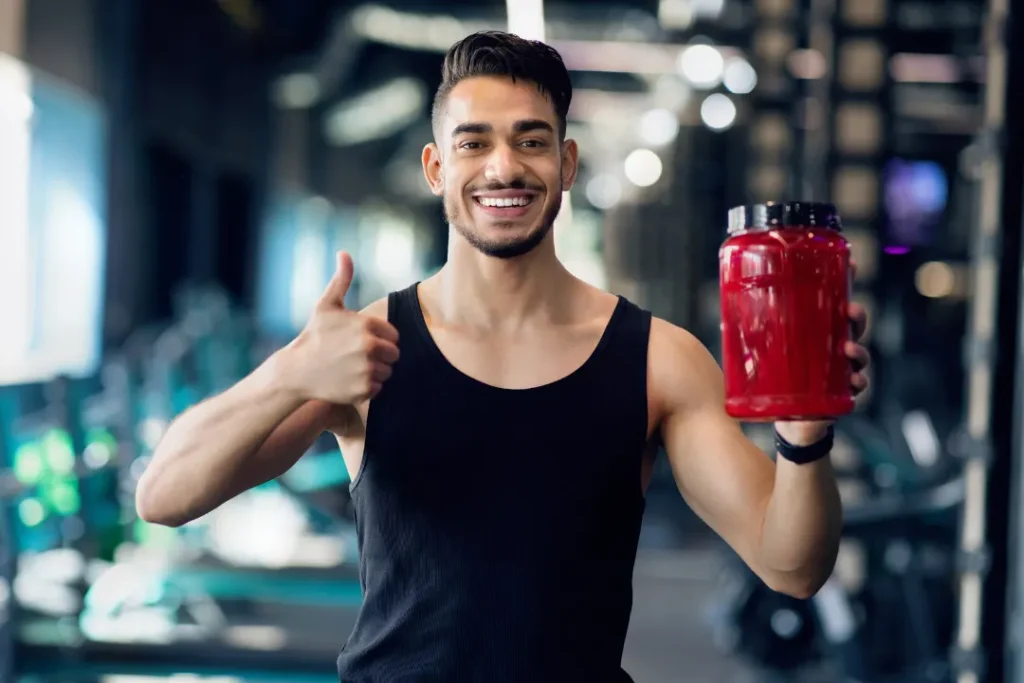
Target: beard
504,248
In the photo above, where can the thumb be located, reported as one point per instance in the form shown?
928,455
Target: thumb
337,288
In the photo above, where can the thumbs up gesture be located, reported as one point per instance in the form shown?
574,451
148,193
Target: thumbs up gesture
342,357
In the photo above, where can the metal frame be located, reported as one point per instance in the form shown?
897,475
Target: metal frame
830,40
816,146
773,97
1005,591
990,355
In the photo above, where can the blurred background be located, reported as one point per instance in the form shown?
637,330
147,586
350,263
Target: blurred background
175,178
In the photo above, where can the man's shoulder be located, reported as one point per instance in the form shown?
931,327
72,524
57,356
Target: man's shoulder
670,343
680,369
377,309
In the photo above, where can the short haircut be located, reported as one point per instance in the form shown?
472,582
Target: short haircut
496,53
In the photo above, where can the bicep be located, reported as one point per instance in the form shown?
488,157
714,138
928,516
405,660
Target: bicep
722,475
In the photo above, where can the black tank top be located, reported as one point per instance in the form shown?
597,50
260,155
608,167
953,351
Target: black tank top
498,528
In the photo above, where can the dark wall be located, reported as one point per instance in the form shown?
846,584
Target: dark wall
203,102
60,39
187,104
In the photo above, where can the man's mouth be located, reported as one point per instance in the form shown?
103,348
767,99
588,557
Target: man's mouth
505,204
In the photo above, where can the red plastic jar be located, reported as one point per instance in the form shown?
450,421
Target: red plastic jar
785,280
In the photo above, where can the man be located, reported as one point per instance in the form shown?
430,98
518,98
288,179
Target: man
499,421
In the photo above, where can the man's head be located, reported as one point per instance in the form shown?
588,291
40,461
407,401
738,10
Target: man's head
500,159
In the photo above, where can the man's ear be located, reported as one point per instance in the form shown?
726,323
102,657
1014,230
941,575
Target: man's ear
432,169
570,164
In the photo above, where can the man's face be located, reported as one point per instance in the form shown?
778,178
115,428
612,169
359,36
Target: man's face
498,164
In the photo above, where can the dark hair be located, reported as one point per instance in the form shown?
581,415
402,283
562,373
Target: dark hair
496,53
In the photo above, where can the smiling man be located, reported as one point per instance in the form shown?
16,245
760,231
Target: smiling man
500,421
498,215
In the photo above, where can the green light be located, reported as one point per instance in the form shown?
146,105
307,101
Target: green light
100,449
99,435
153,535
58,451
28,464
62,497
31,512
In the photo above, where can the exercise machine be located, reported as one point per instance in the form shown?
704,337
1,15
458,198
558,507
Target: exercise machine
892,623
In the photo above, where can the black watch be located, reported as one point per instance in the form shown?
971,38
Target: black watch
803,455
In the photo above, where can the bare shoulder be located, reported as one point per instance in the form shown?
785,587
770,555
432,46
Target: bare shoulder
597,303
680,369
378,309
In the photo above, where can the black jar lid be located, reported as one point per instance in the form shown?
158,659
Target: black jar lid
771,215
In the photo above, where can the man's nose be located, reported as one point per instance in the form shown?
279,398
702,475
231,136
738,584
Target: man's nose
504,165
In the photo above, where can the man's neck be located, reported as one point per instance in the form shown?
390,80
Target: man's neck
482,291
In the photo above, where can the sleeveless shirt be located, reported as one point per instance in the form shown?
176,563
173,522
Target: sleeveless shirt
498,528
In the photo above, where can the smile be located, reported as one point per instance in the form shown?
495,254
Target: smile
505,202
506,205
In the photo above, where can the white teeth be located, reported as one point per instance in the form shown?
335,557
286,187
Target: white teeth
505,203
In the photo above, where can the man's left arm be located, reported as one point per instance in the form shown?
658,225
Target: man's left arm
784,520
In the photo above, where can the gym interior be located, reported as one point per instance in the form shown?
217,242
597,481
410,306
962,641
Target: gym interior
196,164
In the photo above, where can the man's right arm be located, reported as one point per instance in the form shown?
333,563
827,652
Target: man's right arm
256,430
252,433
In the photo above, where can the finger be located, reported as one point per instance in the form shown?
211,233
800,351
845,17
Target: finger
858,355
383,351
337,288
379,327
859,320
381,373
375,388
858,382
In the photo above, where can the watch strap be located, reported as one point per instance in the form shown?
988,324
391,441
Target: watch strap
804,455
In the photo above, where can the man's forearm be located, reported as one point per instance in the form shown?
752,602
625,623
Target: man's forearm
802,527
201,459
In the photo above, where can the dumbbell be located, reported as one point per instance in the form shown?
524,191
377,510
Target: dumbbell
769,630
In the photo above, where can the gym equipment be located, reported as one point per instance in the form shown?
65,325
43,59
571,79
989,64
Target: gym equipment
224,590
45,472
908,598
775,632
219,338
885,462
211,612
896,625
43,485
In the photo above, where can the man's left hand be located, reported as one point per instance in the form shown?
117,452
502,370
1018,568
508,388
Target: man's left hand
807,433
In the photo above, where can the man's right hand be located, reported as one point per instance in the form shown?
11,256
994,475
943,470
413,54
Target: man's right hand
341,357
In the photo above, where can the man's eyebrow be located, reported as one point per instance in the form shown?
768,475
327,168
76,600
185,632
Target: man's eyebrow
472,129
524,126
531,125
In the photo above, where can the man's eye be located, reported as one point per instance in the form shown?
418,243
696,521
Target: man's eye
470,145
532,143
